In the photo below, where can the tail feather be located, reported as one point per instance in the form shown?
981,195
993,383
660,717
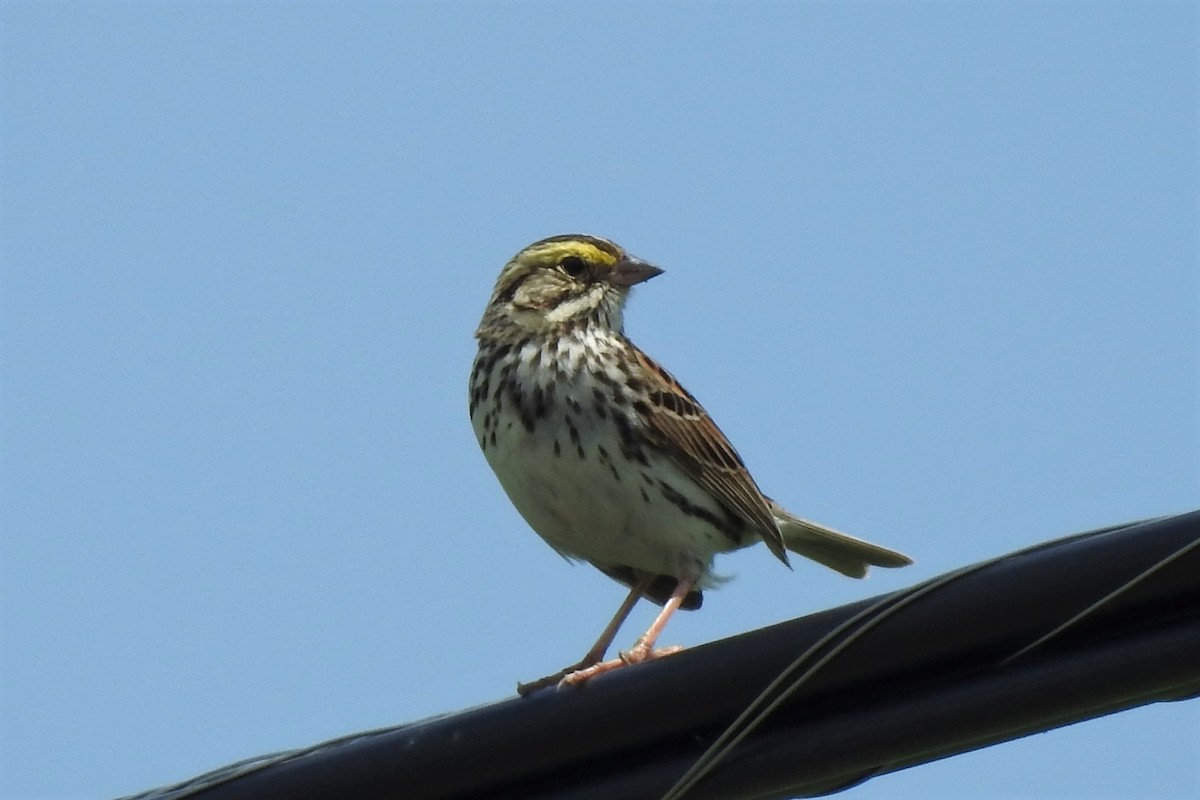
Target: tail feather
836,550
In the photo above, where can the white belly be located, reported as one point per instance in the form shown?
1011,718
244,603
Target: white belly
602,507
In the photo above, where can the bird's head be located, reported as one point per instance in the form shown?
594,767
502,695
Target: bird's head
564,281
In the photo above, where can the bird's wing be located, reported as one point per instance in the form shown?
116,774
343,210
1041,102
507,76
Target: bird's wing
683,430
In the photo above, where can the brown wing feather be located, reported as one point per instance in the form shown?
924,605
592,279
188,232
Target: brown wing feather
685,431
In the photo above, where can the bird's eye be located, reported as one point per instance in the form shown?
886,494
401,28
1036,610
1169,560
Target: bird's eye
573,266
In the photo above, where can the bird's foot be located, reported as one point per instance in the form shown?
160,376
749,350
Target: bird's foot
637,654
526,689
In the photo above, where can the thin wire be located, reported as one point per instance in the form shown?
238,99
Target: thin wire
1115,593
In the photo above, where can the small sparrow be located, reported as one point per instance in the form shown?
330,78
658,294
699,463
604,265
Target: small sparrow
607,457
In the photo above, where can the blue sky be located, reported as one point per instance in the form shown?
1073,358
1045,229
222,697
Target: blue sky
932,267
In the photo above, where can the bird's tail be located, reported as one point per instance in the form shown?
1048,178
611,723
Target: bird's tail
836,550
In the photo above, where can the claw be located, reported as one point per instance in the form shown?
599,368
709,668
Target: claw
636,655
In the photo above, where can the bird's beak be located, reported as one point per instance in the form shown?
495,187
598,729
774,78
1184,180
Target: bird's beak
630,271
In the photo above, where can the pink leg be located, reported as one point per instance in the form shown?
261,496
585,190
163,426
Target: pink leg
597,651
643,649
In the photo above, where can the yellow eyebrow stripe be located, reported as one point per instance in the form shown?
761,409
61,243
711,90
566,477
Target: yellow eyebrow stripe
590,251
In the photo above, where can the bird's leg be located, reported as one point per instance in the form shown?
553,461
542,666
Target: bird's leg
643,649
597,651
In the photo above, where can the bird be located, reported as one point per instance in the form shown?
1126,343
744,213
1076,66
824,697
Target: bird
605,454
